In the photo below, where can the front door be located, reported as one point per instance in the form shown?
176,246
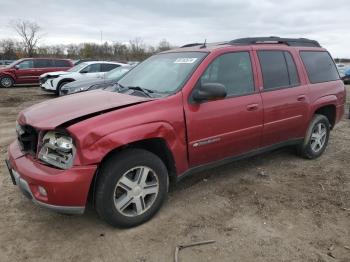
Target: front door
25,72
228,127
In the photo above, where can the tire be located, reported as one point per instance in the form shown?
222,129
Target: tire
121,198
60,84
6,82
315,141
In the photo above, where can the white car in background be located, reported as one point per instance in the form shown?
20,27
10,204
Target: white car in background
53,81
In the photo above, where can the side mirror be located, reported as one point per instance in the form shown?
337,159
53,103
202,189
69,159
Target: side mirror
16,66
209,91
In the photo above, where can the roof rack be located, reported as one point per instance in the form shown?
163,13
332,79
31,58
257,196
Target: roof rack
274,40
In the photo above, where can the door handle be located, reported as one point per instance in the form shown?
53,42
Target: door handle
301,98
252,107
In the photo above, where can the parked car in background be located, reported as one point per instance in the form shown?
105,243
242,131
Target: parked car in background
108,79
28,70
341,69
54,81
178,112
4,63
345,76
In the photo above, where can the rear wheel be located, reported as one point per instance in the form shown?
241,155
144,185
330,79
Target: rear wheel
131,188
6,81
316,139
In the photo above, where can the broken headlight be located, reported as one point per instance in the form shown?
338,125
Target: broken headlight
57,149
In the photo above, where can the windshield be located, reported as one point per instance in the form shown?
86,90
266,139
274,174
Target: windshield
14,63
118,72
163,73
77,67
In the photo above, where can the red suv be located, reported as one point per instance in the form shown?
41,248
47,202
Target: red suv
178,112
28,70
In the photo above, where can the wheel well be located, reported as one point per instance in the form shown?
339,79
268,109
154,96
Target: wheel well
157,146
329,112
65,80
8,76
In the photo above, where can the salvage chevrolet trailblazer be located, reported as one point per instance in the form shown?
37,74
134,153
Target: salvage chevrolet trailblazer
178,112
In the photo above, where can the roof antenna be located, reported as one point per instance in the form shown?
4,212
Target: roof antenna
204,44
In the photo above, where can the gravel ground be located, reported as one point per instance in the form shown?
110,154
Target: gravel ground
298,211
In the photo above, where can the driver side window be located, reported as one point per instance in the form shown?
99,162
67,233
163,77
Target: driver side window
26,64
234,71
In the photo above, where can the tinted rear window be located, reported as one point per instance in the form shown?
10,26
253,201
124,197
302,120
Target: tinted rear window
62,63
319,66
42,63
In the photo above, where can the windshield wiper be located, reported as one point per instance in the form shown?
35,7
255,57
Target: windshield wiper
120,88
143,90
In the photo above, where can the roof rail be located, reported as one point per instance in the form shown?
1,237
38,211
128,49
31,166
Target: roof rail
274,40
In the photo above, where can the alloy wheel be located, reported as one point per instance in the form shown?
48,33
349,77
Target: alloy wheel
6,82
318,137
136,191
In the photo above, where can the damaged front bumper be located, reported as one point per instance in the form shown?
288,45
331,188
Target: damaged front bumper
63,191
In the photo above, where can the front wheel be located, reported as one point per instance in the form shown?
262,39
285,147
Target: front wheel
59,87
316,139
131,188
6,82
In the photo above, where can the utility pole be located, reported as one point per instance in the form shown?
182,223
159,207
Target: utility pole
101,37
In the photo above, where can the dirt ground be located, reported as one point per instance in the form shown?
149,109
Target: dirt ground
298,211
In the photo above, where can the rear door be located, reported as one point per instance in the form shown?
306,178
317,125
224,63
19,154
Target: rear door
106,67
284,95
25,72
231,126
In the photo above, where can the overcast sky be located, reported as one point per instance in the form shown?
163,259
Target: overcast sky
182,21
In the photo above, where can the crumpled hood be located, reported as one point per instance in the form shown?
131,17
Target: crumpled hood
55,73
55,112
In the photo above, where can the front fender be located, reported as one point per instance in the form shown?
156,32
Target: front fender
11,74
92,151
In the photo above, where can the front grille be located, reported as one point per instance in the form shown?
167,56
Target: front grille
27,138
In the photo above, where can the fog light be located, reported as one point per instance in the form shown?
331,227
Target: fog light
42,191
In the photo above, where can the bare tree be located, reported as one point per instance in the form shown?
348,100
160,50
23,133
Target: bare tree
8,49
29,32
163,45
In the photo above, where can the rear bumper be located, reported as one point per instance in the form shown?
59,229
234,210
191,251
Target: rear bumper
66,190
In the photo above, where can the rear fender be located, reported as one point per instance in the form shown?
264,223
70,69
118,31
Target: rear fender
321,102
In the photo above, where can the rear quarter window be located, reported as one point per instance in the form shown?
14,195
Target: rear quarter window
319,66
108,67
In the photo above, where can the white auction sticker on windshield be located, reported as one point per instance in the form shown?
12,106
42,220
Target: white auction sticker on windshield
185,60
